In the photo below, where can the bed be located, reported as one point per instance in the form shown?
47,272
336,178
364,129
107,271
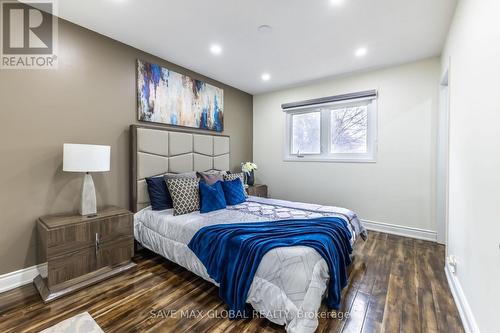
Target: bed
290,282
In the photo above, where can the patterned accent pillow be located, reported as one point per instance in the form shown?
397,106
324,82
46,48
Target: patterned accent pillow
185,195
215,171
168,176
232,176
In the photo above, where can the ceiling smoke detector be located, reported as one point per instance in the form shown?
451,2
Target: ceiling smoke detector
264,29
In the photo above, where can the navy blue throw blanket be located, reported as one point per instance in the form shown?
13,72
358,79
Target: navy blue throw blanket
232,253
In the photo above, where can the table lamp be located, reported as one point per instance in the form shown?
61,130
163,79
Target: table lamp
86,158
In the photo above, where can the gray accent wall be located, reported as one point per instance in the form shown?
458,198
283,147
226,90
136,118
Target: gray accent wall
91,99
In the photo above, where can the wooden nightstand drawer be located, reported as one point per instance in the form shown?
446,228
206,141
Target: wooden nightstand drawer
68,239
116,252
115,227
71,266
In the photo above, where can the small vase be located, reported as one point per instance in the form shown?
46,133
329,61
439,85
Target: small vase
250,178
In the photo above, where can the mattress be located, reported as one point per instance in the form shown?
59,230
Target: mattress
290,282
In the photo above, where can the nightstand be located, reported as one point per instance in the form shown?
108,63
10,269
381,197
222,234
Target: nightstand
82,250
257,190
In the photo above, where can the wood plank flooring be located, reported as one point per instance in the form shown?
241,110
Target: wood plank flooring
397,284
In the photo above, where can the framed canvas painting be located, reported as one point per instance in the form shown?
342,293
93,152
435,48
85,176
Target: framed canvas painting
167,97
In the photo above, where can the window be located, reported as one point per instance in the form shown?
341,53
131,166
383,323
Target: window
349,127
343,131
306,133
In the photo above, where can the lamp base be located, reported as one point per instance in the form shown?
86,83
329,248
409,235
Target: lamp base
88,204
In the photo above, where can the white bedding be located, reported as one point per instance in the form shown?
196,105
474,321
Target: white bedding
290,282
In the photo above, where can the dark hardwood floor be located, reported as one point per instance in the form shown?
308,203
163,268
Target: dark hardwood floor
397,284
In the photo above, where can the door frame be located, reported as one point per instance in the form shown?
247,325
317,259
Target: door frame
442,157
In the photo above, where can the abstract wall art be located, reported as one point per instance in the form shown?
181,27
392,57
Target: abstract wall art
167,97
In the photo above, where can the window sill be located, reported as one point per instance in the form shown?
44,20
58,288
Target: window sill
330,160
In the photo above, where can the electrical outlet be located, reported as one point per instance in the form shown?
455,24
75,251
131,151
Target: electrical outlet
452,262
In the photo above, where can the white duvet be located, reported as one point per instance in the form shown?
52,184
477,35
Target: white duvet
290,282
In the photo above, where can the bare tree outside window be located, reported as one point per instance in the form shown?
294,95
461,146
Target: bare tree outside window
349,130
306,132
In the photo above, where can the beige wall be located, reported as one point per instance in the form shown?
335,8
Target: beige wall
91,98
400,188
472,54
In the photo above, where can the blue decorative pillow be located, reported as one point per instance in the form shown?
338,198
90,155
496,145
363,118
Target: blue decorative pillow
233,191
211,197
158,193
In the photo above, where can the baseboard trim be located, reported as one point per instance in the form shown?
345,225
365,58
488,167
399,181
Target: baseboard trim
21,277
401,230
468,320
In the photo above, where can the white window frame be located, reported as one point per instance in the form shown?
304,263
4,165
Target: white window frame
325,136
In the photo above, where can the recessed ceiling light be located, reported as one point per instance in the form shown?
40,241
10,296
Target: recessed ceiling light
361,52
215,49
266,77
336,2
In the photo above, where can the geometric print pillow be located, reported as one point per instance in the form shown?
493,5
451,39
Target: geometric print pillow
232,176
185,195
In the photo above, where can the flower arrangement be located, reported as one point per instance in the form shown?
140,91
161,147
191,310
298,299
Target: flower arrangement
248,167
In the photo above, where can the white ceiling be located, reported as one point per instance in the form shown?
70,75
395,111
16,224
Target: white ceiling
310,39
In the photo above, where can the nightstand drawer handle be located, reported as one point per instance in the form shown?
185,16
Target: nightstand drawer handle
97,243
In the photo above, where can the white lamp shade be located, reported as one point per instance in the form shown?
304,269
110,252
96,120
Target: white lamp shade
86,158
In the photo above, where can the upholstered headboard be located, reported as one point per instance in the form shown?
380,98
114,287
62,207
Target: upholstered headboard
157,150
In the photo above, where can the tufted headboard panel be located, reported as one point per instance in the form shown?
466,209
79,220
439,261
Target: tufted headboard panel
158,150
